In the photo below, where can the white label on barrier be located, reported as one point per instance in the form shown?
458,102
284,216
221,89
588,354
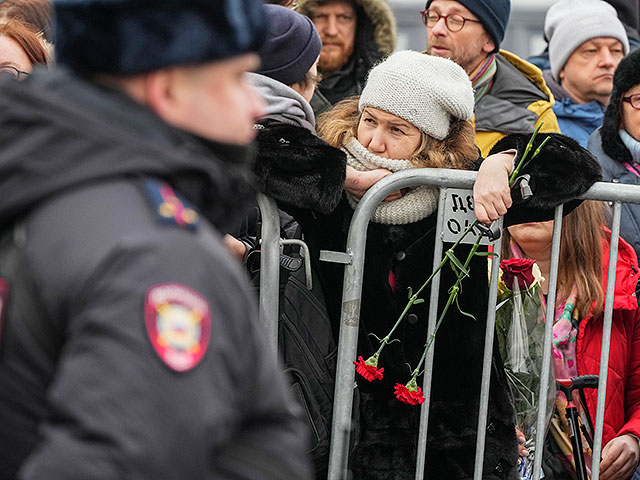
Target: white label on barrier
458,215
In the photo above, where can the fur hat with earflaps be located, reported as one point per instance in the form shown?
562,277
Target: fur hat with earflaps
561,172
627,76
127,37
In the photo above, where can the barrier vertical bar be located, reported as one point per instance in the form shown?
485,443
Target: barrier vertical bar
269,267
546,350
431,325
606,339
487,360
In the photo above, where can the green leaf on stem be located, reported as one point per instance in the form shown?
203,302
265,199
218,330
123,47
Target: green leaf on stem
410,293
485,254
457,263
466,314
418,301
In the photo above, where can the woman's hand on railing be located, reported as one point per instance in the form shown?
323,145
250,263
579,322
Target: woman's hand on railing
491,193
620,458
357,183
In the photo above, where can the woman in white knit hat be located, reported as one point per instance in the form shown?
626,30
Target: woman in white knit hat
415,111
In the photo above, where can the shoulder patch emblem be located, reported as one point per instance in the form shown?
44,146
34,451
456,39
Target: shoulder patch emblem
4,298
178,321
170,207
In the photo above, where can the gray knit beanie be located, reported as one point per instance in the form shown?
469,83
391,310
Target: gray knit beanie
570,23
424,90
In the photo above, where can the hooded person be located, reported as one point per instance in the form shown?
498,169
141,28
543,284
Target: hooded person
286,141
128,344
617,142
355,35
415,111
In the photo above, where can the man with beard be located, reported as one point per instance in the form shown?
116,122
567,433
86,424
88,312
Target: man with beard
129,347
510,93
355,35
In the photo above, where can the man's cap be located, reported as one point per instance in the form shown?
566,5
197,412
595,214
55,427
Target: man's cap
493,14
126,37
570,23
292,45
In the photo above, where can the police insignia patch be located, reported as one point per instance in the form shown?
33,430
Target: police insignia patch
178,321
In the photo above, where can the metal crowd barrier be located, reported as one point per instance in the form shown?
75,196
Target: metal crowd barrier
350,315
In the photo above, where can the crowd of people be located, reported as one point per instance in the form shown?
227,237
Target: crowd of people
134,138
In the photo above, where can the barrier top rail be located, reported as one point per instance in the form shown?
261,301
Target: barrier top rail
354,261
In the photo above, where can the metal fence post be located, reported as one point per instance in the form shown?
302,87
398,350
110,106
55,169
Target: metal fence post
606,339
487,361
269,268
548,332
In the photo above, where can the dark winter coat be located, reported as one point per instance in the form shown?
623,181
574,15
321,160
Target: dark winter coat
614,171
612,153
78,170
375,39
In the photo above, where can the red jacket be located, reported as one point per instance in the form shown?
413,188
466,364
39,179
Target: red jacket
622,405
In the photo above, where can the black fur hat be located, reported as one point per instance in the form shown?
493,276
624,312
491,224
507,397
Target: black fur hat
125,37
562,171
627,75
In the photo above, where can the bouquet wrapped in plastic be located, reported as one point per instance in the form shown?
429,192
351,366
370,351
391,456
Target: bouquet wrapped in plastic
520,331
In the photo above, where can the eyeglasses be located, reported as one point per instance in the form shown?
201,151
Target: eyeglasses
13,72
454,23
634,100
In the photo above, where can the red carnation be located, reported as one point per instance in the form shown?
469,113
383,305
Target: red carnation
517,269
410,393
368,369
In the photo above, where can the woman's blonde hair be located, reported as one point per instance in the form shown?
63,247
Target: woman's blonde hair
580,256
457,150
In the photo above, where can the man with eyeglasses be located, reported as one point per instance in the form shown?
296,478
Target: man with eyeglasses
355,35
510,94
129,342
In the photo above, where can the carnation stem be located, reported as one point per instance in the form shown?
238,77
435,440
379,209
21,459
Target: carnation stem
452,296
528,148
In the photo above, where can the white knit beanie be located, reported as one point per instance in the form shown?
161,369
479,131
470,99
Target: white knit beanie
570,23
424,90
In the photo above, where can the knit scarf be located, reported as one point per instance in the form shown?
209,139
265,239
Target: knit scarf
417,203
482,77
563,349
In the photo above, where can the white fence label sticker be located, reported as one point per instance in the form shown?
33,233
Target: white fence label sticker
458,215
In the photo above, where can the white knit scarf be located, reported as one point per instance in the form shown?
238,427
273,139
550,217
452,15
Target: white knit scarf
417,203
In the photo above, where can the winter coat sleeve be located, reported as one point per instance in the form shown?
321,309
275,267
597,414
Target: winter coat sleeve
632,389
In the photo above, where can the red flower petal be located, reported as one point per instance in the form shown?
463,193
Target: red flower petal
412,397
369,372
517,270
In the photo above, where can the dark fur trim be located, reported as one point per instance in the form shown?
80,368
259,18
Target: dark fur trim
626,76
296,167
559,174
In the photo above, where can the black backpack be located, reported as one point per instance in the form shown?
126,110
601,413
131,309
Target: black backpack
306,345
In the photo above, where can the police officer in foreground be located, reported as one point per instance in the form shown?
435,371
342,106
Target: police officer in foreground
128,347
